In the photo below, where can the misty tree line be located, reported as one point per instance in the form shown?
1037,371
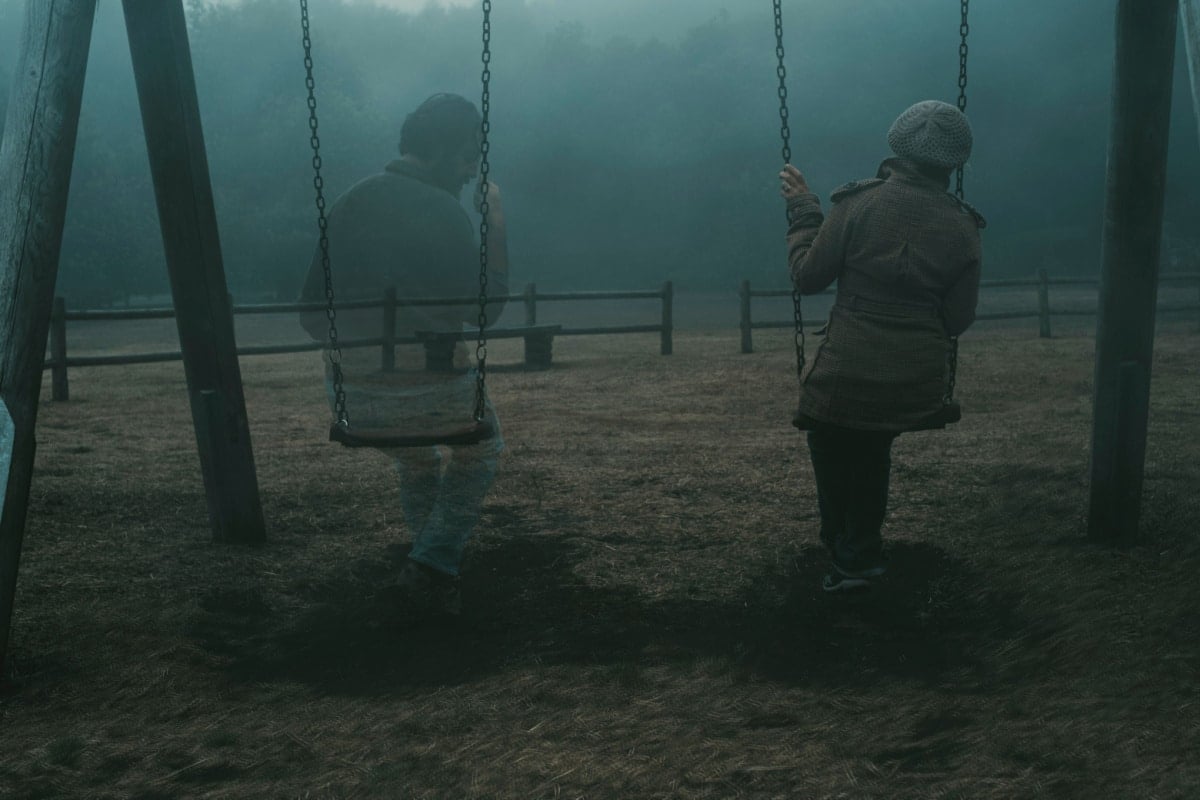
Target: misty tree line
625,160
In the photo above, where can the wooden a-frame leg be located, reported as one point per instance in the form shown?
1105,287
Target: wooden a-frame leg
35,176
162,66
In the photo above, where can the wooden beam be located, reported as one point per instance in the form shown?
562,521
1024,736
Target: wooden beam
1137,167
35,176
162,65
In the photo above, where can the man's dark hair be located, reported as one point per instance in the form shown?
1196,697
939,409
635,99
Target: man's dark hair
443,123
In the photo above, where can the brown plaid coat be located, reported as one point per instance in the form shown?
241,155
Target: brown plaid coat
906,256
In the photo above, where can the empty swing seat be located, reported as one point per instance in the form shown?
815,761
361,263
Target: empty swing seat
472,433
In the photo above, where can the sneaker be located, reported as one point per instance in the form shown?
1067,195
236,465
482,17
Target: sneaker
426,590
871,571
835,582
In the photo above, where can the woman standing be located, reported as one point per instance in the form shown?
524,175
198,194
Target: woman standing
906,256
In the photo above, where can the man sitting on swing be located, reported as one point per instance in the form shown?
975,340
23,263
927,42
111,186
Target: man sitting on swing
405,228
906,256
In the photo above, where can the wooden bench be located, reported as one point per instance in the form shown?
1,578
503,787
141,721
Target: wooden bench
439,345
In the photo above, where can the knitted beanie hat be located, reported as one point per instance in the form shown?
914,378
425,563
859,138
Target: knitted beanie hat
932,132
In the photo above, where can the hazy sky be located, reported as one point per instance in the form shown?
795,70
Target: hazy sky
665,19
401,5
414,5
409,5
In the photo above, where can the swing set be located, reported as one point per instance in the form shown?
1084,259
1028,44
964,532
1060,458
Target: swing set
477,428
35,168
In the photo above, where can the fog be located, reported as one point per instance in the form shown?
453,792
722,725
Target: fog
635,142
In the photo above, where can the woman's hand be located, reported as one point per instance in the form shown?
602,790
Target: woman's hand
792,183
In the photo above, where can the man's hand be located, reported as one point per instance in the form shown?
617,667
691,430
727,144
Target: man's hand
495,206
792,184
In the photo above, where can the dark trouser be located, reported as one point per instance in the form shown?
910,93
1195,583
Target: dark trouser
852,469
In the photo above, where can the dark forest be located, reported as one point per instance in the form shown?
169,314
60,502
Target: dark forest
634,145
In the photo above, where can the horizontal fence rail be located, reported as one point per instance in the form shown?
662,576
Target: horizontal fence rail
1042,313
59,361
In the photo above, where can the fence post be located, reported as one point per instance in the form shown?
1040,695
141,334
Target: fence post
668,314
387,357
1044,303
531,304
60,390
747,333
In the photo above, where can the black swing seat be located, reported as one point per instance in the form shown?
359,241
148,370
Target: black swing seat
948,414
472,433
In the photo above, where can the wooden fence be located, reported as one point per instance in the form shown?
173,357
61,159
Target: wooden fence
1042,313
59,361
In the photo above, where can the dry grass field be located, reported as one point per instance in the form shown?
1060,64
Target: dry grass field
643,614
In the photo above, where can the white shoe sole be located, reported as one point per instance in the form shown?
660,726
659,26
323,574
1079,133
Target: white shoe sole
844,584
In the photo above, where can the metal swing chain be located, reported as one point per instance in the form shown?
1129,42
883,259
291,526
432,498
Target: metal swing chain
785,133
964,28
335,351
484,169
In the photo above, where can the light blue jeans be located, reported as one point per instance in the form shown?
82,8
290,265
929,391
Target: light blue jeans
442,487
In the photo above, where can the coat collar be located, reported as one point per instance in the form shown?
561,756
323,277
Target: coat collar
906,171
409,169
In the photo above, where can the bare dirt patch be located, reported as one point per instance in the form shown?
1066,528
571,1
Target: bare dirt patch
643,612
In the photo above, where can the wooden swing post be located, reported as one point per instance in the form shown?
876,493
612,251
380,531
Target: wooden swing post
162,67
35,176
1137,165
1189,17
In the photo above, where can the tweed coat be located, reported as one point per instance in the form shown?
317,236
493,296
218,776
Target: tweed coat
906,256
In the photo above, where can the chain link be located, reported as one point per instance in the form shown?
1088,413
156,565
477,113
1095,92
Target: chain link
964,28
953,371
785,133
334,349
484,227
